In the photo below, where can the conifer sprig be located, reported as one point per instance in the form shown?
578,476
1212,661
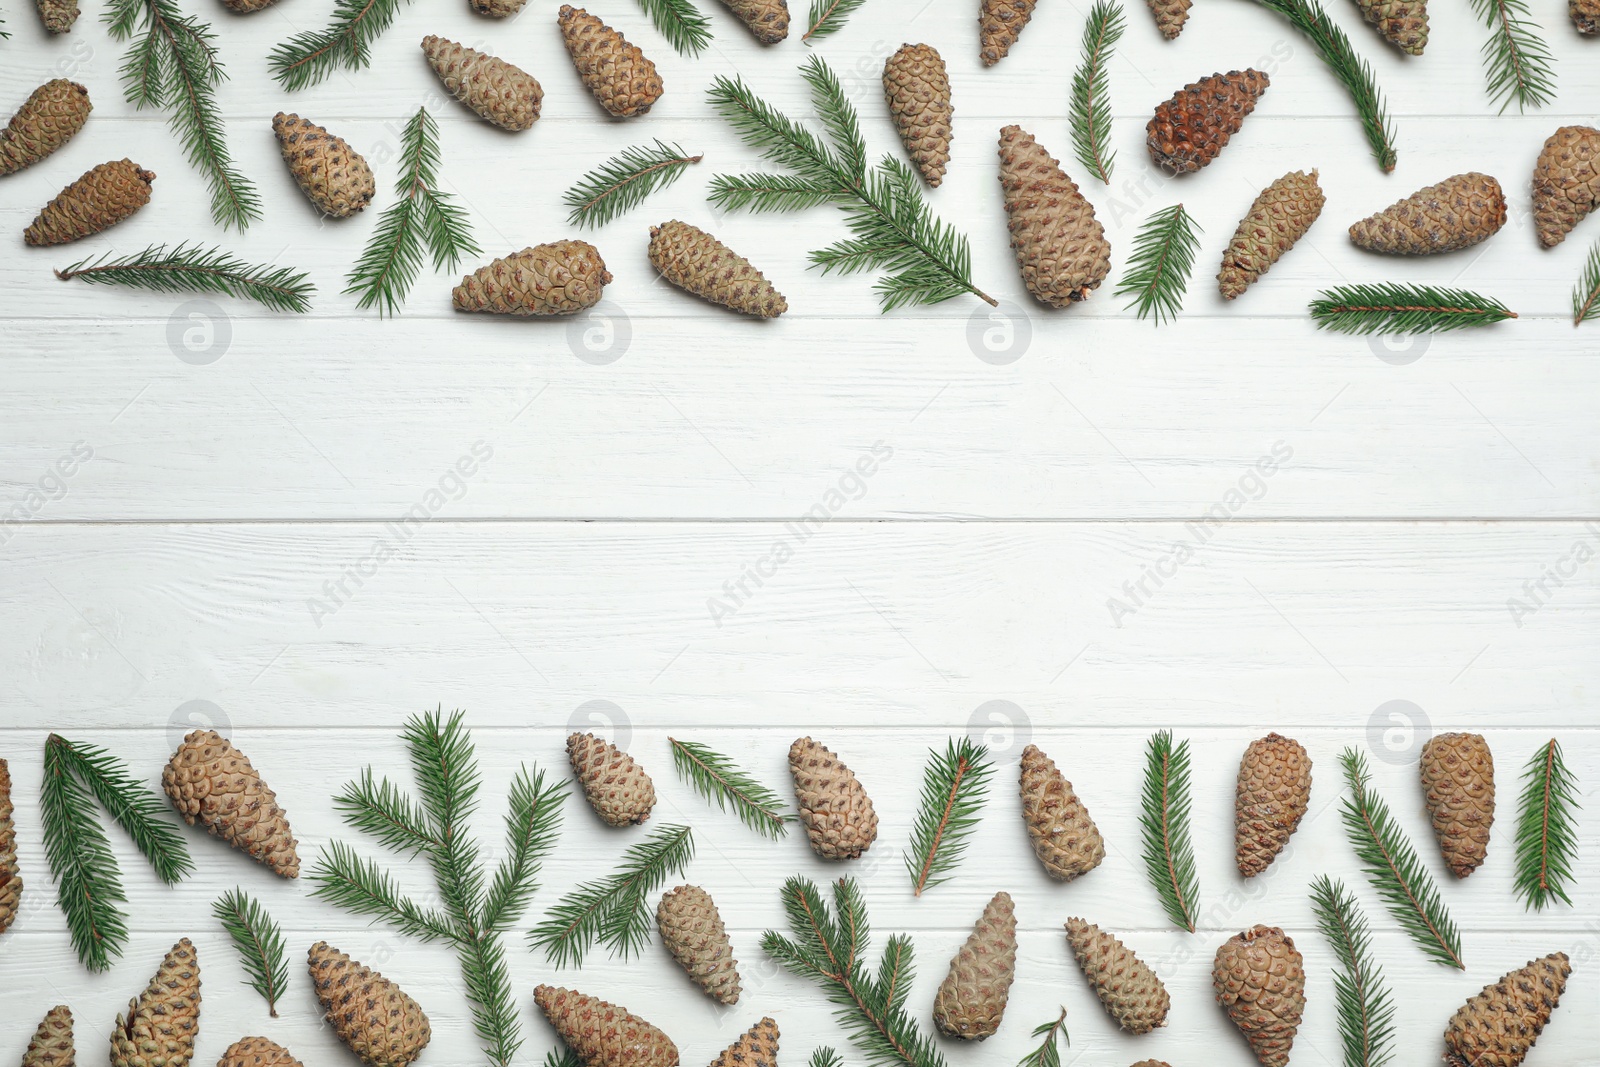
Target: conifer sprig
88,883
1392,308
1161,263
624,182
716,777
681,23
260,943
346,42
193,269
563,1057
955,784
1366,1012
1547,831
1048,1053
1164,820
1586,297
140,811
1516,59
826,18
1091,98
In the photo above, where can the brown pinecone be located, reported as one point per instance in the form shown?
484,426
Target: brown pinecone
618,789
45,121
1456,213
693,932
500,93
103,197
1458,780
616,72
211,781
497,9
559,278
756,1047
58,15
602,1034
1189,130
10,874
1061,247
918,88
1000,23
1566,181
247,7
972,998
1260,979
1280,216
838,815
1129,990
1271,797
1498,1026
257,1052
371,1015
767,19
52,1044
698,263
1404,23
1152,1063
1064,837
1170,16
1585,15
161,1025
333,175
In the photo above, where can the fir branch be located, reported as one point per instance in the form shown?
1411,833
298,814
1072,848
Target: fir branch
1393,868
382,810
624,182
1048,1054
1547,832
446,768
345,880
771,192
1366,1013
1390,307
260,944
532,826
138,810
1516,59
827,18
826,1057
1091,100
88,884
563,1057
346,42
1168,853
197,270
1162,260
1586,297
716,777
681,23
954,787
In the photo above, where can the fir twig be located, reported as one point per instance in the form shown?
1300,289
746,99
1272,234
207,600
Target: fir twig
1366,1013
1586,297
563,1057
346,42
827,17
1048,1054
1547,832
681,23
260,944
139,811
532,826
194,269
1164,818
88,884
1161,262
1393,308
347,881
716,777
1091,100
622,183
826,1057
1518,62
954,787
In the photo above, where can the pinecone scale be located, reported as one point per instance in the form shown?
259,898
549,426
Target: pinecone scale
698,263
211,782
692,929
1458,784
618,789
1188,131
918,88
1585,15
619,75
559,278
103,197
972,998
48,119
603,1034
52,1044
1280,216
1260,981
1128,989
161,1025
1063,835
333,175
834,808
1566,181
505,95
1271,798
1061,247
373,1017
1499,1025
1456,213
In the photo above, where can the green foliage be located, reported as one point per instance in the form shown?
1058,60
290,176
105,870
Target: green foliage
141,812
1161,263
1366,1012
1586,297
1164,820
345,43
1518,62
563,1057
624,182
1048,1054
1091,91
1391,308
260,944
188,269
681,23
1547,829
827,17
88,883
716,777
954,787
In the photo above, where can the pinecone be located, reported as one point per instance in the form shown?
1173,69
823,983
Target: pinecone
58,15
1280,216
838,815
1585,15
1061,247
698,263
972,998
602,1034
52,1042
559,278
1566,181
692,929
371,1014
210,780
1270,799
257,1052
1152,1063
618,789
1064,837
1170,16
1260,979
1129,990
616,72
497,9
1456,213
161,1025
767,19
1458,780
757,1047
247,7
10,874
333,175
1189,130
1497,1027
500,93
1403,23
45,121
1000,23
918,88
97,201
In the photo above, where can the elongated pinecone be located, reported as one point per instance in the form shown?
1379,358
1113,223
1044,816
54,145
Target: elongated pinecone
1271,798
103,197
698,263
10,875
918,87
500,93
617,73
767,19
372,1016
1498,1026
333,175
1456,213
1189,130
1129,990
838,815
692,928
559,278
212,782
1458,782
52,1044
45,121
972,998
1403,23
58,15
756,1047
1260,980
1064,837
1000,23
1170,15
161,1025
1566,181
602,1034
1280,216
1061,247
1585,15
618,789
257,1052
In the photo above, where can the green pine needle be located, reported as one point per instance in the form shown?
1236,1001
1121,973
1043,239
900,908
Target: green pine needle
532,826
563,1057
624,182
1091,99
88,883
188,269
1048,1054
716,777
1164,818
1586,297
1162,261
344,44
260,944
681,23
826,1057
827,18
1390,308
347,881
140,811
1366,1012
1518,62
954,787
1547,831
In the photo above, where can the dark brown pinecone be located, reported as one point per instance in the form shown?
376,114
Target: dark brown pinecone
1403,23
767,19
1000,23
103,197
1190,129
333,175
698,263
918,88
1270,799
1170,15
1498,1026
1061,247
619,75
58,15
45,121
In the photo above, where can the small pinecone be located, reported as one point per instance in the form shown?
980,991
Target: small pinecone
1152,1063
1585,15
918,87
1000,23
756,1047
1280,216
1497,1027
1064,837
692,928
497,9
58,15
618,789
1456,213
161,1025
257,1052
1129,990
500,93
1458,780
616,72
45,121
1271,797
1403,23
1061,247
1566,181
10,874
333,175
247,7
1170,16
211,781
698,263
52,1043
559,278
602,1034
1260,979
97,201
972,998
1189,130
767,19
371,1015
838,815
